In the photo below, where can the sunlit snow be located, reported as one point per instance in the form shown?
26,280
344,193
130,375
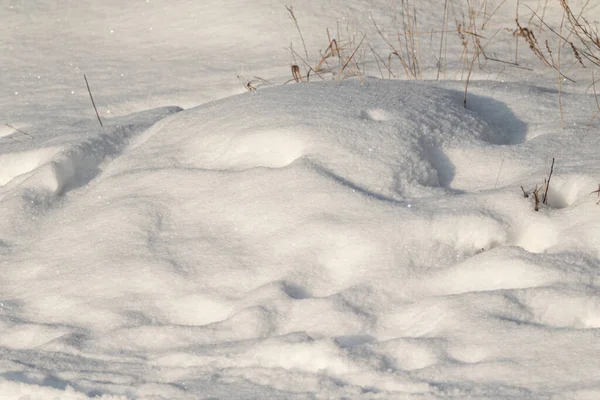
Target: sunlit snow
342,238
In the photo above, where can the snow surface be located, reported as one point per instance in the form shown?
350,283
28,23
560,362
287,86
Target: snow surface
346,238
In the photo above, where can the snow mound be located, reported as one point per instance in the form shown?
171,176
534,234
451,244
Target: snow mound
384,138
61,168
311,244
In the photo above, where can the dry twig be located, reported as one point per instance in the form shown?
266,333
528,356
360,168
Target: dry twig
92,98
545,198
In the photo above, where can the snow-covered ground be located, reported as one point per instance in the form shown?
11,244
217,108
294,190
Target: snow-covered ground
350,237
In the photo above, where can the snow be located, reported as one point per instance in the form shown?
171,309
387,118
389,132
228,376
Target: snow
354,237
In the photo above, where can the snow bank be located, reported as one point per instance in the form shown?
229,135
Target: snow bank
357,238
300,240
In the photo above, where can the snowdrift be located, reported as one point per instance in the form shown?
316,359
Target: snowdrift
331,239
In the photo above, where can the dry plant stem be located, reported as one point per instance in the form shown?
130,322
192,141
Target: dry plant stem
517,38
510,63
488,43
377,60
406,36
332,50
588,35
443,40
533,45
432,32
258,78
598,193
536,196
596,98
306,64
499,171
404,65
352,55
578,17
473,27
10,137
486,20
545,198
92,98
20,131
560,107
394,51
444,22
418,55
530,38
414,41
296,73
293,17
411,62
475,57
595,93
543,14
293,54
247,84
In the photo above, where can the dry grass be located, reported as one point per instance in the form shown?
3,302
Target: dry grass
403,55
536,194
467,23
400,50
337,60
582,40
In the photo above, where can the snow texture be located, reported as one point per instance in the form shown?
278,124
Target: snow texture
357,238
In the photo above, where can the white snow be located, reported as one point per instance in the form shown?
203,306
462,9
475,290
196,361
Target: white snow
343,238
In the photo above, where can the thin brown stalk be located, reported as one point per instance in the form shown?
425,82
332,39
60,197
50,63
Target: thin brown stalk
431,32
543,13
486,20
576,54
545,198
352,55
579,16
305,63
416,39
331,51
469,76
394,51
595,98
445,58
560,106
444,26
406,30
404,65
377,60
92,98
536,50
296,73
517,38
293,17
510,63
20,131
